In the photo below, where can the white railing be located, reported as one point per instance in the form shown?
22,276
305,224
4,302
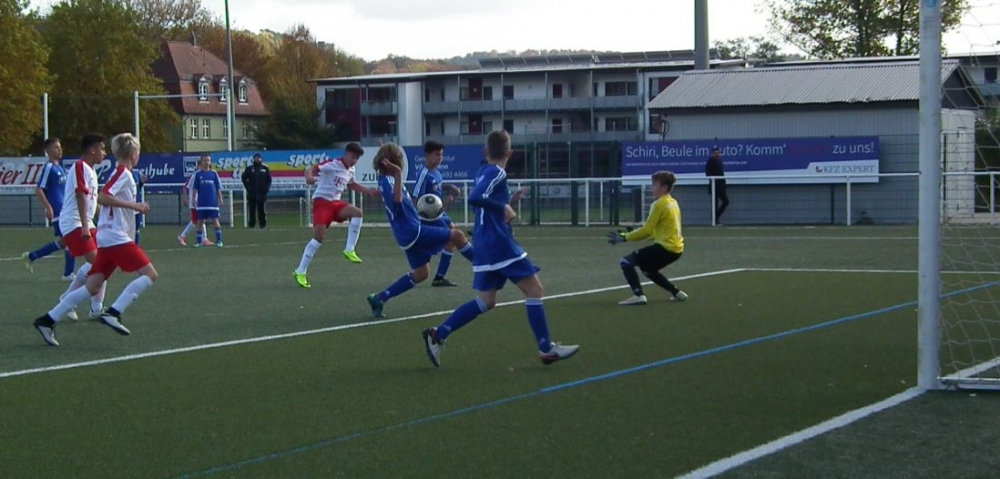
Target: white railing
855,199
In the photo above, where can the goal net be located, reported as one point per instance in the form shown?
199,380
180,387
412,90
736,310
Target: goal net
969,249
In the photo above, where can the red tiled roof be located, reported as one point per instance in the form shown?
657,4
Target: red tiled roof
181,65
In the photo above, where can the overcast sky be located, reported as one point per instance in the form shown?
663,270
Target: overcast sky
373,29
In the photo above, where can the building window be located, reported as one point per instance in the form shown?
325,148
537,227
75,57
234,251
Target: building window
193,128
243,93
508,126
557,90
224,91
427,95
203,91
463,93
247,130
487,126
225,128
382,94
339,98
557,125
621,88
620,123
990,73
206,128
463,128
487,93
508,92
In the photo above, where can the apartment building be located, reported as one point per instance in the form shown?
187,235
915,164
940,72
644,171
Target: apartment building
556,98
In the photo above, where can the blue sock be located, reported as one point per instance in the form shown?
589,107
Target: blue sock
539,324
44,251
442,270
402,285
70,263
466,251
218,235
136,236
200,238
460,317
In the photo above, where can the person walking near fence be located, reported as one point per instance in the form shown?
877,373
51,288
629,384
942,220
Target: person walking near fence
716,173
257,183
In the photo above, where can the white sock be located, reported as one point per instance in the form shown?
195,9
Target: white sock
187,229
78,281
97,300
132,291
307,256
68,303
353,231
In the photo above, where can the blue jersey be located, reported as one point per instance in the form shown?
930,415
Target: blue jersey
137,177
52,182
431,182
207,184
403,217
495,245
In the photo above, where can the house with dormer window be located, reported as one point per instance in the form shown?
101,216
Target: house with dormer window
185,68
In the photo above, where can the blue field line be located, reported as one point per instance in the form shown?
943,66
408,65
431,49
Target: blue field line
572,384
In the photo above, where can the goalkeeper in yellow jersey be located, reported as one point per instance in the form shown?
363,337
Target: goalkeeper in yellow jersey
664,226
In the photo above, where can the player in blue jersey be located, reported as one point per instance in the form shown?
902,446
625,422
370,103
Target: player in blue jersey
498,258
419,241
140,219
208,198
50,191
430,181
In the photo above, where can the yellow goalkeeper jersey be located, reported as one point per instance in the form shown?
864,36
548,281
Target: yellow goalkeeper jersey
663,225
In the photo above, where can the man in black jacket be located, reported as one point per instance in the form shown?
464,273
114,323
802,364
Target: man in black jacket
713,168
257,182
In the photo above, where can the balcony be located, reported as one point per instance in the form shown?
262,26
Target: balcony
533,105
467,106
989,90
379,108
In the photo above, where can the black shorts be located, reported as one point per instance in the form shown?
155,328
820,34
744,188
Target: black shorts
652,258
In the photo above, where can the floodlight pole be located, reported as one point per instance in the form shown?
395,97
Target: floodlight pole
135,112
701,34
45,115
230,107
929,202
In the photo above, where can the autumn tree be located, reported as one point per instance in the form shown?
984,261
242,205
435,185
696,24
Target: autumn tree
855,28
23,76
99,59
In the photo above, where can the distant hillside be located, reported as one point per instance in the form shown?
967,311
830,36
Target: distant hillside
470,61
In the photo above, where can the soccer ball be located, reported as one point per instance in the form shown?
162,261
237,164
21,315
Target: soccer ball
430,207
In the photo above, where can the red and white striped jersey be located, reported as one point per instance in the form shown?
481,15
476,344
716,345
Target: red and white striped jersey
81,179
116,225
334,176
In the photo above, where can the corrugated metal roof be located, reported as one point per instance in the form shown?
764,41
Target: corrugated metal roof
819,84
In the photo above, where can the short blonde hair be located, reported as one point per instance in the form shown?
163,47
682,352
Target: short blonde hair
391,152
124,145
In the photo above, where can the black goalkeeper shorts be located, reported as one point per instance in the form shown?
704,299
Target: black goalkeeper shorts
652,258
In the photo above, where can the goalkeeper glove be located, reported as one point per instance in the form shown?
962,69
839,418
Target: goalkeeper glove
616,237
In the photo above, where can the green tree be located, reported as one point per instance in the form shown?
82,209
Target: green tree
99,59
23,78
753,47
855,28
161,20
293,125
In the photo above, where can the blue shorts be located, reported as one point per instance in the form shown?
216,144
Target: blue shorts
516,271
55,227
207,214
431,241
443,222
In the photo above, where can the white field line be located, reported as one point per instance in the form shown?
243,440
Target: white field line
860,271
732,462
201,347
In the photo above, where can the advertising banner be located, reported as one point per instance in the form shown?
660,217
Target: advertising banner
771,161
